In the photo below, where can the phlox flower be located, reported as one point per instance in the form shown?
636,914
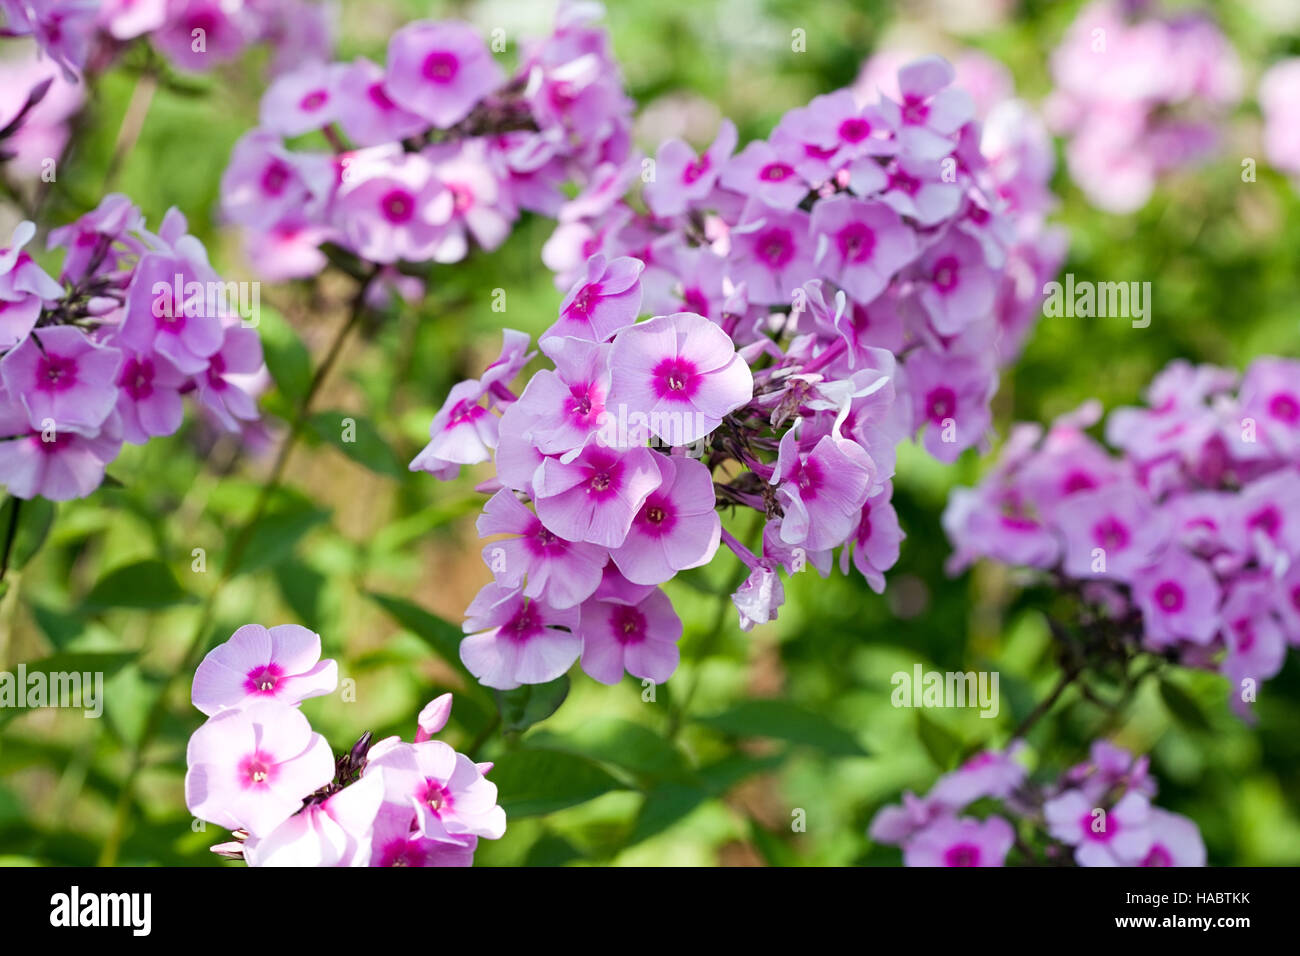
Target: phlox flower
822,491
53,464
959,286
861,245
1179,598
440,70
257,663
772,252
393,208
759,171
603,303
567,406
63,379
148,398
517,640
1110,532
463,432
681,373
683,178
221,389
335,832
395,843
1175,841
676,528
623,628
1101,836
595,496
250,767
960,842
445,795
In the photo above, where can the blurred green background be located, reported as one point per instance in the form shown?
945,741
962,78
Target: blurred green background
795,716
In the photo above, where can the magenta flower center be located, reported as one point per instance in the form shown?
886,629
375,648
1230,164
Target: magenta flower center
464,413
1267,519
275,177
216,372
313,101
695,170
694,301
1245,630
854,130
56,373
628,625
945,273
379,96
675,378
256,770
264,680
1285,407
137,378
585,404
462,197
915,110
1169,596
903,182
437,797
398,206
1158,856
963,854
604,474
1077,481
775,247
941,403
586,298
657,515
857,241
523,625
441,66
1109,827
776,172
1111,533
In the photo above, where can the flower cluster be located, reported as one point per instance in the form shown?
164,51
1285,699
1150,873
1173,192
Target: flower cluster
435,149
1099,813
192,34
1279,93
815,299
1189,540
1139,94
257,768
103,356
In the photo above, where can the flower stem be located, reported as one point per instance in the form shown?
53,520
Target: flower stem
153,721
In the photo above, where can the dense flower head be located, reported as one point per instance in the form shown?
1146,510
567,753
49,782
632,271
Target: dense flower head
193,35
257,768
435,151
1188,538
1097,813
764,340
1139,93
103,354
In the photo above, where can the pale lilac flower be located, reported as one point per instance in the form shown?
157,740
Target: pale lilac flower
463,432
624,632
682,178
148,397
440,70
163,314
822,491
393,208
874,544
127,19
681,372
516,640
63,379
677,527
760,597
595,496
562,573
960,842
931,111
396,844
950,400
603,303
222,388
250,767
302,101
1175,841
1115,836
566,406
912,187
366,112
199,34
1112,532
335,832
53,464
281,663
1179,598
959,286
772,252
759,171
987,774
446,795
861,245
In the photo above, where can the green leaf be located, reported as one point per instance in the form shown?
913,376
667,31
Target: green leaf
301,587
551,850
783,720
939,742
277,534
441,635
106,664
533,782
622,744
35,518
665,805
530,704
287,359
59,627
356,436
1183,707
145,584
